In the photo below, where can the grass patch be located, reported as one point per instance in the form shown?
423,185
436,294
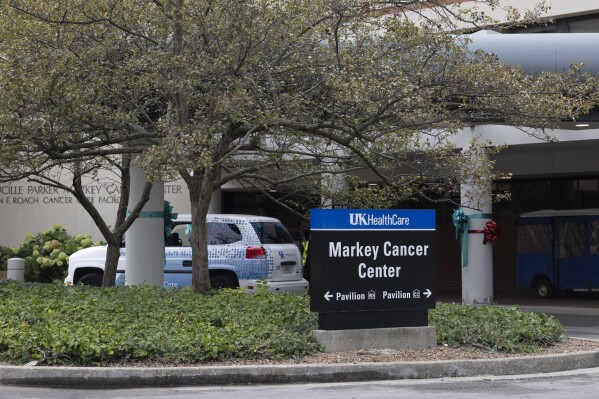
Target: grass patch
81,325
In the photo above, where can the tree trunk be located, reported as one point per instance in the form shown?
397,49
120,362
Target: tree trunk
113,253
200,194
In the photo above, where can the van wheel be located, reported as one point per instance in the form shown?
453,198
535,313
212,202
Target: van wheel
92,279
545,289
218,282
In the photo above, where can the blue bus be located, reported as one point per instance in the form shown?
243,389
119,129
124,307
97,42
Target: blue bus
558,250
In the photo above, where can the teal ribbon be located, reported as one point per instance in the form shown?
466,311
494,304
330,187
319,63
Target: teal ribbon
148,214
169,217
461,222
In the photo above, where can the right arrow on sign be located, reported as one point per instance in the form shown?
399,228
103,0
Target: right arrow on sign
328,296
427,292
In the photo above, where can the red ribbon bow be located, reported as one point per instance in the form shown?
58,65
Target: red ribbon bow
490,232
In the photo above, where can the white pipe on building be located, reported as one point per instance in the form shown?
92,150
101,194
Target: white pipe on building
540,52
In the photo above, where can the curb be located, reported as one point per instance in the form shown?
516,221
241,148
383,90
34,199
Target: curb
104,377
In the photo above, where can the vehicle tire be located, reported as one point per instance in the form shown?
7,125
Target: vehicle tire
219,281
92,279
545,289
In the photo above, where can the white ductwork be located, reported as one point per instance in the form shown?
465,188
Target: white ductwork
538,52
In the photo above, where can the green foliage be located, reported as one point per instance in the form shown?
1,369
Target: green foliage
81,325
5,254
169,217
493,328
47,253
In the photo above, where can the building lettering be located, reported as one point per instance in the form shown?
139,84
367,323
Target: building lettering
57,200
25,200
39,190
12,190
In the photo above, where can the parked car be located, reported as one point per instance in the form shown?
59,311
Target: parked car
243,250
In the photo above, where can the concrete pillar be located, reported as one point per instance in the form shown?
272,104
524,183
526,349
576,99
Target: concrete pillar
15,269
144,260
477,261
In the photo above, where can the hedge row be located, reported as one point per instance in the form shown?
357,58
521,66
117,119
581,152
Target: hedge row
54,324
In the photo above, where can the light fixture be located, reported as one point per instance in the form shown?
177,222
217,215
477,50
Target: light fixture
582,125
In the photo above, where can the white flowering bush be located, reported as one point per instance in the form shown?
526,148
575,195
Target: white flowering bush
47,253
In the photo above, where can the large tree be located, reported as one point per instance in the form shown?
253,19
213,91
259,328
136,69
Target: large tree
271,92
62,120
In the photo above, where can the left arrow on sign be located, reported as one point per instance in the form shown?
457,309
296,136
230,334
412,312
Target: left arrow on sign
328,296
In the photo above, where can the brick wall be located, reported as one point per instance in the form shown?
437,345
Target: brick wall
504,257
449,270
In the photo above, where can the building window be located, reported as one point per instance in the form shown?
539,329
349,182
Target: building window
528,196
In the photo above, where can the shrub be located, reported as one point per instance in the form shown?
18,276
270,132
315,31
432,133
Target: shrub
5,254
84,325
47,253
494,328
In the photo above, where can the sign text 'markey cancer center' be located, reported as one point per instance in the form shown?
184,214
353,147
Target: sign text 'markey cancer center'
338,250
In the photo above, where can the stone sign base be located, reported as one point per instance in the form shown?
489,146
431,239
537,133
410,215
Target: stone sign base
395,338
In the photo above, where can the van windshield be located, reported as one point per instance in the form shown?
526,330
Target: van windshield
272,233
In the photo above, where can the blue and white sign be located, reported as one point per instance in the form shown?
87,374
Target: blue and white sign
372,259
372,219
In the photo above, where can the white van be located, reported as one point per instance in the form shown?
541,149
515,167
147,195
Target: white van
243,250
